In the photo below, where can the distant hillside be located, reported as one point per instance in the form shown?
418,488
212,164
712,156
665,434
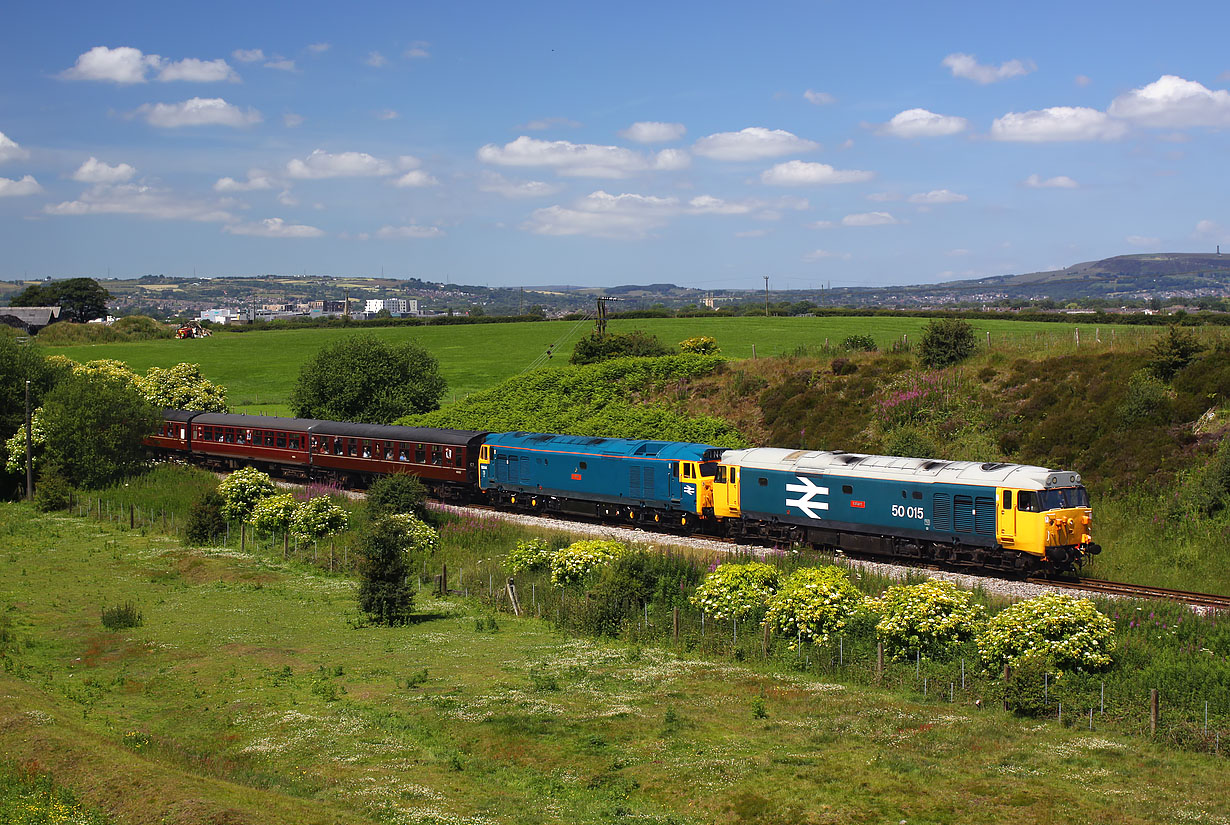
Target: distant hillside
1128,276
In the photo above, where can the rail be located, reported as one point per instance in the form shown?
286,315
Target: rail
1136,591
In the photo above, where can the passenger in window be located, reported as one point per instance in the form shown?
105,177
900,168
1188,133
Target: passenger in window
403,455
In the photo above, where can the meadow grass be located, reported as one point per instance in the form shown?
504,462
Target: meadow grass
259,369
253,692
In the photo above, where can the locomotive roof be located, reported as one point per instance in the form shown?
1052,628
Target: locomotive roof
581,444
887,467
391,432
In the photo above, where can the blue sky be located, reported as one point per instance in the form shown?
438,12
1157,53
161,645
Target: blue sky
706,144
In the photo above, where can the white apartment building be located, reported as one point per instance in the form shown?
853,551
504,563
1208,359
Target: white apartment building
395,306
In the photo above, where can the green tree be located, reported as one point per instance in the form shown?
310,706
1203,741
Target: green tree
397,493
205,521
94,425
275,514
241,491
79,299
1172,352
386,552
363,379
602,346
182,387
946,341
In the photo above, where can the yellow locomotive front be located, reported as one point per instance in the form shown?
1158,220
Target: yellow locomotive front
1052,522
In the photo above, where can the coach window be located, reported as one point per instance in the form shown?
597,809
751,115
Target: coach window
420,454
847,489
220,434
403,452
367,448
294,442
205,432
353,444
240,437
435,455
230,435
1007,500
281,441
339,445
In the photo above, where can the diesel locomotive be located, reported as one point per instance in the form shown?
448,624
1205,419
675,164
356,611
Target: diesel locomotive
991,516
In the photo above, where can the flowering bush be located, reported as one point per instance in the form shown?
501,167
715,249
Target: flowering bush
182,387
532,555
316,518
700,344
736,590
273,514
813,603
916,397
15,447
572,564
931,618
420,537
1068,629
241,490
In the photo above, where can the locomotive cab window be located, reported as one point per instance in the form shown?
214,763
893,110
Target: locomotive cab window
720,476
687,470
847,489
708,469
485,454
1025,501
1007,500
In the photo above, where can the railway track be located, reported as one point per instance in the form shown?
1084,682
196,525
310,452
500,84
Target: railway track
1137,591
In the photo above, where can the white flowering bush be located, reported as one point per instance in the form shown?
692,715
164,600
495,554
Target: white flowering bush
812,604
241,490
182,387
700,344
1069,630
574,563
529,556
15,447
736,590
316,518
420,537
931,618
273,514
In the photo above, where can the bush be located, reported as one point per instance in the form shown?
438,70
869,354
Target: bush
736,590
241,491
812,604
628,583
397,493
53,492
574,563
529,556
1172,352
1025,690
861,343
1148,399
700,344
932,618
946,341
319,517
843,366
385,594
273,514
603,346
205,520
1069,630
121,616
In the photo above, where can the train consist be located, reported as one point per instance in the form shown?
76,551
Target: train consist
991,516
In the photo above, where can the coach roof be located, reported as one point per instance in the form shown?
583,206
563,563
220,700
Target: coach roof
383,432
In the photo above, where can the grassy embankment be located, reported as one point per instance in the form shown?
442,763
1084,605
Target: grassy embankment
259,369
249,695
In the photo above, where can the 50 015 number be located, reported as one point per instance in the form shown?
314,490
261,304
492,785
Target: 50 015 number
901,511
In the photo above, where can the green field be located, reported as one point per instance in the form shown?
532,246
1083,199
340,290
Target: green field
260,368
249,695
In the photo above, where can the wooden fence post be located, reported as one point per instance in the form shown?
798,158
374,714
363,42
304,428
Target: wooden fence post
1153,712
879,662
766,640
444,580
675,623
132,516
1007,676
512,597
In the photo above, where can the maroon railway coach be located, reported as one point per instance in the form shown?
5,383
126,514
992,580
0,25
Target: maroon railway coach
446,460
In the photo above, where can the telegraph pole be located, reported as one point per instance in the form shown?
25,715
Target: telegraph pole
766,295
29,454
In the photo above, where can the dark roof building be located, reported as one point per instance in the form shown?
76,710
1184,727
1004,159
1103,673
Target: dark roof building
29,319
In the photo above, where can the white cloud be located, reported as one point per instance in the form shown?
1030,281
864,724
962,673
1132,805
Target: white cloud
291,120
1211,231
414,230
544,123
869,219
1083,80
752,143
322,164
319,48
1057,182
966,66
822,225
577,159
287,198
376,60
709,205
120,65
198,71
415,178
16,188
257,179
387,114
1143,241
11,150
274,228
672,160
601,214
1058,123
802,173
248,55
500,185
144,201
818,98
198,111
282,64
95,171
937,196
650,131
824,255
417,50
1171,102
916,123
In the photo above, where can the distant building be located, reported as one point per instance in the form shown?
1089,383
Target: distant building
29,319
327,307
219,316
395,306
